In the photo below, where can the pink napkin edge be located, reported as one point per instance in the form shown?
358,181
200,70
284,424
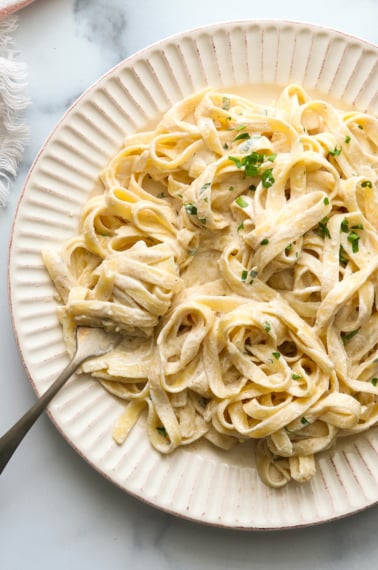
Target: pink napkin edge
4,12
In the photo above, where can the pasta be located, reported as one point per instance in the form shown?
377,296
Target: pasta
236,248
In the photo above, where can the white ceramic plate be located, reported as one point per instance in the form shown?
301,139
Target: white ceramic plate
200,483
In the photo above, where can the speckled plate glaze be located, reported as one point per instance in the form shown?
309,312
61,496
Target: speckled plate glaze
198,482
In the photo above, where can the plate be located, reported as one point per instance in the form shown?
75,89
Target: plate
199,482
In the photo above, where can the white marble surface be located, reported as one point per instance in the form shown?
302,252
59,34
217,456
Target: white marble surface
55,510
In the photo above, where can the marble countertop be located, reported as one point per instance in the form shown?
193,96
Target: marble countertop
55,510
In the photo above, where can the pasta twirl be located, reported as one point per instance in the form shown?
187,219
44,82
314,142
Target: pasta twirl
236,247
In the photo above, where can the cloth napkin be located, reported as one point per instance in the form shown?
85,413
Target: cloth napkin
9,6
13,102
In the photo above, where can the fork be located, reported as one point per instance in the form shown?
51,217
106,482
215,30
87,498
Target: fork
90,342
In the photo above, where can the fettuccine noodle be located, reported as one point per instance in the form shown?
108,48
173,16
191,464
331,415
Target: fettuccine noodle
236,247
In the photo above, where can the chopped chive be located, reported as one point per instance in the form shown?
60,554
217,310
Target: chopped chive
236,160
346,336
343,256
347,139
242,136
344,226
296,376
162,431
267,178
272,157
202,221
205,187
226,103
267,326
374,381
360,127
251,163
241,202
264,241
354,238
231,188
288,248
276,355
322,229
240,127
326,201
192,251
191,209
225,146
357,227
244,275
336,151
366,184
240,227
304,421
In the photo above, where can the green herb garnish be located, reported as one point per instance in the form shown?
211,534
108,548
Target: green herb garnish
241,202
267,326
162,431
242,136
347,139
343,256
276,355
240,227
366,184
304,421
264,241
374,381
244,275
354,238
296,376
251,163
267,178
336,151
192,251
344,226
322,229
190,209
326,201
346,336
205,187
226,103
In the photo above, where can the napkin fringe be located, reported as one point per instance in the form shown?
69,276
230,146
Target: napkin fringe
13,131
